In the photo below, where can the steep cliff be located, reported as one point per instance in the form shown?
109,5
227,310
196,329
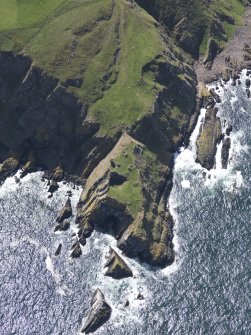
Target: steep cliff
103,91
101,103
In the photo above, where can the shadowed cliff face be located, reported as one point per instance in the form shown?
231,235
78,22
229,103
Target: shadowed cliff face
43,123
109,103
185,18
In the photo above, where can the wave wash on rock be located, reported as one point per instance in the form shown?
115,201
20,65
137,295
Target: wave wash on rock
117,136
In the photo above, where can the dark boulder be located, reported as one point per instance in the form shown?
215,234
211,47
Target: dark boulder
99,313
82,241
140,297
77,252
65,212
63,226
215,95
116,266
53,187
86,230
225,152
229,130
59,248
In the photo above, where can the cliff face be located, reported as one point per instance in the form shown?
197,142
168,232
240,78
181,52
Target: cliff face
193,23
103,104
42,123
126,194
126,177
105,97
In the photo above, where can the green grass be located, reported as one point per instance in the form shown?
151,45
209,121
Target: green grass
219,9
140,43
79,39
130,192
25,13
203,17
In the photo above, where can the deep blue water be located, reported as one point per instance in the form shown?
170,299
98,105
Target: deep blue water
206,291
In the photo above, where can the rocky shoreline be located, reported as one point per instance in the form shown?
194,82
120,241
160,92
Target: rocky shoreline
127,177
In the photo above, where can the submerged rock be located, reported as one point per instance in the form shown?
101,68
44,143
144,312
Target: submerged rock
65,212
82,241
99,313
117,268
140,297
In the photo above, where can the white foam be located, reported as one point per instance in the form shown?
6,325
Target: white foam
218,162
185,184
196,132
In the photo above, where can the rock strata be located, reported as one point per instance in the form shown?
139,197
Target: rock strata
99,313
116,266
210,135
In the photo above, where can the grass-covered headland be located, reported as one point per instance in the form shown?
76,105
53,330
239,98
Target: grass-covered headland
105,89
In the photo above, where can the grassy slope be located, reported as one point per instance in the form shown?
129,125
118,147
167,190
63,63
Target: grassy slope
203,16
227,8
81,39
106,43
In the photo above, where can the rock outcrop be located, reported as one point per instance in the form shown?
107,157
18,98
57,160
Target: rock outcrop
116,266
108,206
226,145
71,133
65,212
39,119
210,135
8,168
76,250
211,52
99,313
58,250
